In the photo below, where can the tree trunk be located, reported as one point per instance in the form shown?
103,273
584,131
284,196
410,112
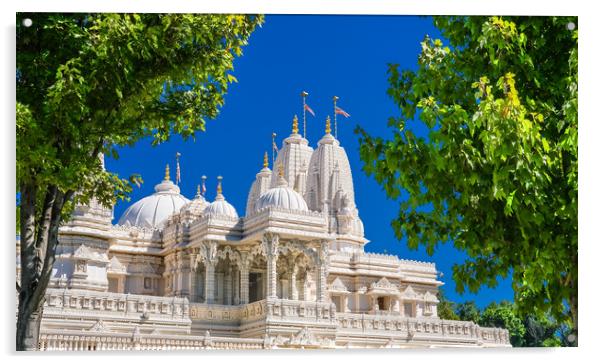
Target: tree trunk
573,308
28,329
37,259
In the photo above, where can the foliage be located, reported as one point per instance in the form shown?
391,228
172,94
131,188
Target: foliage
497,173
468,311
503,315
445,307
541,332
528,330
87,83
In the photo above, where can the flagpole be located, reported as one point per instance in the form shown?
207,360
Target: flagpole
178,168
273,144
304,95
334,99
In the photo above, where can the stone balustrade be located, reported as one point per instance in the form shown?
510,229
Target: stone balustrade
90,303
115,316
51,340
293,310
432,329
228,314
273,309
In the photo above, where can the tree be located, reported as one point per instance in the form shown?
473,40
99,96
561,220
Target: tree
87,83
468,311
445,307
541,332
503,315
497,173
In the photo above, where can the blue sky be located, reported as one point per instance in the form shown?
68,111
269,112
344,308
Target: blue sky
345,56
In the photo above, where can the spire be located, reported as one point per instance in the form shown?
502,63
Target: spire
198,190
166,178
328,125
265,160
219,185
281,181
295,125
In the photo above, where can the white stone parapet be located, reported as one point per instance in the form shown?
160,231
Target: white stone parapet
59,340
84,320
89,310
403,330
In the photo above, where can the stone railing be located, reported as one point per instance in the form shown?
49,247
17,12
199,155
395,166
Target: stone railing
293,310
272,309
51,340
431,329
106,304
228,314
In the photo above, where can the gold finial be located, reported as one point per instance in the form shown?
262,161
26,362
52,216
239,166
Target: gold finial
280,170
219,185
265,160
295,125
328,124
166,173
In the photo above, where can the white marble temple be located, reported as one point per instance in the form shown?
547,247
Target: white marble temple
188,274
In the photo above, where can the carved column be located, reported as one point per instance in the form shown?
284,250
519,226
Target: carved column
209,282
236,287
321,271
210,262
293,279
192,285
180,272
244,278
305,288
228,288
271,245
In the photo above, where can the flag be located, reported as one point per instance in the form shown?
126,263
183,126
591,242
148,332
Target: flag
306,106
338,110
203,189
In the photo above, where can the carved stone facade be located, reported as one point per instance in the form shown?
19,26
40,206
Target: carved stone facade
292,273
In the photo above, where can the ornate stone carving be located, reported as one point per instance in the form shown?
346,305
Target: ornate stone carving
338,286
81,266
99,326
208,252
270,244
232,254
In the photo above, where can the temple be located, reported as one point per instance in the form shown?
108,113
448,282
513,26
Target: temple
179,273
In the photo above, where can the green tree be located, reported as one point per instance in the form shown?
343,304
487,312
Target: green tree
504,315
468,311
87,83
445,307
541,332
497,173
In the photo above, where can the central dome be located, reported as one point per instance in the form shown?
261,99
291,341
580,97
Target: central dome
152,211
281,196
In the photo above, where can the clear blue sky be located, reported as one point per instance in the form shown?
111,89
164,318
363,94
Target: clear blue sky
345,56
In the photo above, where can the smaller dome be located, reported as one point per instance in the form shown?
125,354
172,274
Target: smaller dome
281,196
221,207
196,206
154,210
